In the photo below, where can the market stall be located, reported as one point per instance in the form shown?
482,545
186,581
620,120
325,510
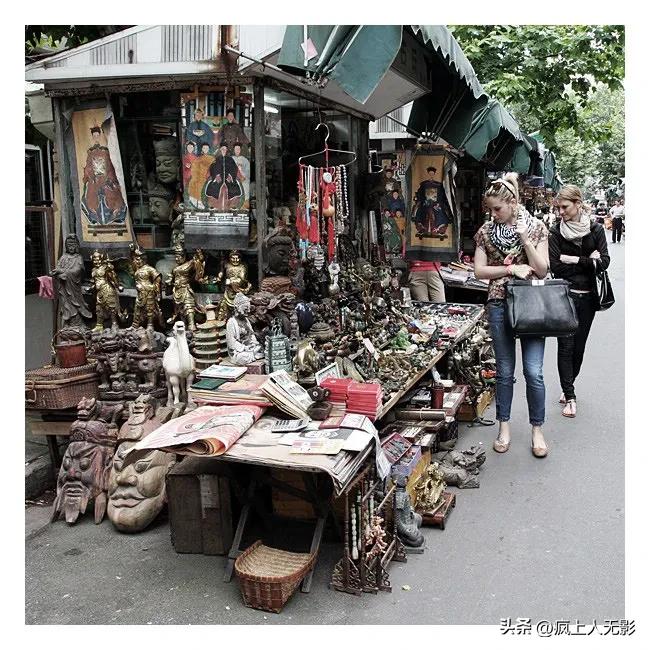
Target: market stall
224,295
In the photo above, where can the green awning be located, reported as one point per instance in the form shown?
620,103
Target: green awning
456,93
494,137
549,168
521,158
358,56
355,56
536,156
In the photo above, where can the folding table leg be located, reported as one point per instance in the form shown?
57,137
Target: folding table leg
235,551
315,546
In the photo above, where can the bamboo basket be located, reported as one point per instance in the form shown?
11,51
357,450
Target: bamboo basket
54,388
268,577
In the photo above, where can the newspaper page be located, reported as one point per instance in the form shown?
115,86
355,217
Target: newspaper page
261,446
206,431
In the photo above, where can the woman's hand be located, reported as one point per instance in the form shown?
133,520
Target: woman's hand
521,271
569,259
595,255
522,229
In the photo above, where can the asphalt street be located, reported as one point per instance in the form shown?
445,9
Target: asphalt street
540,539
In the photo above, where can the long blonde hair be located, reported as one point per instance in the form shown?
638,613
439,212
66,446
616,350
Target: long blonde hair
505,188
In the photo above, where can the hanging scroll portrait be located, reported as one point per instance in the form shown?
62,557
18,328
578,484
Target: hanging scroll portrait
432,228
216,154
103,219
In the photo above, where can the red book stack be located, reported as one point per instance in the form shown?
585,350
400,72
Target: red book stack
365,399
338,389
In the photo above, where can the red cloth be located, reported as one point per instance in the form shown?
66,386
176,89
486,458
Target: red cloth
417,265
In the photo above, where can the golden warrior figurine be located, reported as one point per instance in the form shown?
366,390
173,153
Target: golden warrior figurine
107,289
181,276
236,274
148,287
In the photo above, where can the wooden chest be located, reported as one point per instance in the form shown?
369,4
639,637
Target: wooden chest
200,514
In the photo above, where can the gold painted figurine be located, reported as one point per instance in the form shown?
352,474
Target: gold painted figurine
180,280
236,274
429,489
148,285
107,290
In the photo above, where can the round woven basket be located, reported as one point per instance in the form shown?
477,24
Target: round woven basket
268,577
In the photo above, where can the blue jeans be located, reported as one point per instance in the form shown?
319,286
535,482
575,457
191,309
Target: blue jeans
532,352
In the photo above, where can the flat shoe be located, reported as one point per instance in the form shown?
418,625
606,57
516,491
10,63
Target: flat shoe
500,447
540,452
562,399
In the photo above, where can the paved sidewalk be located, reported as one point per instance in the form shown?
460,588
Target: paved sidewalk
542,539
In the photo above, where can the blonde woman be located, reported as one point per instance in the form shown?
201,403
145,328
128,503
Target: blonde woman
512,244
577,247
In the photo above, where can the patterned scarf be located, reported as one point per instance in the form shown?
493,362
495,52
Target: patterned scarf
504,235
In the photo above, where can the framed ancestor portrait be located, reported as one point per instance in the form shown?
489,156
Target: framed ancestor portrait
432,218
216,154
101,210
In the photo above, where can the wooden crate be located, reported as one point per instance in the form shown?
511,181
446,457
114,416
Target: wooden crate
200,514
466,411
293,507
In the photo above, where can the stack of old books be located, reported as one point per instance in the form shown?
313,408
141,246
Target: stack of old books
247,390
286,394
365,399
338,389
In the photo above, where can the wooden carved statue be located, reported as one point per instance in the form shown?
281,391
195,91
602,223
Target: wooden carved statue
136,486
83,476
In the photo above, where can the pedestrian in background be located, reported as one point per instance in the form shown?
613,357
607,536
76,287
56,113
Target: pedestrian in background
617,212
577,248
512,244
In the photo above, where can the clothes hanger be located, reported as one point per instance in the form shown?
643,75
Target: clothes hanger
327,150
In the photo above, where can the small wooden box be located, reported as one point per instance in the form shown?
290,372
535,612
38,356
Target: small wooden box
466,411
200,515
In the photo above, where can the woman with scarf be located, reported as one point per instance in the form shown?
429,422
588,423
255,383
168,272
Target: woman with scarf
512,244
577,248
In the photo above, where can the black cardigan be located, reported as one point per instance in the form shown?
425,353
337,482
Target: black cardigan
580,275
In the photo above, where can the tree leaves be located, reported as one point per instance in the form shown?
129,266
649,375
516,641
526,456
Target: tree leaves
531,68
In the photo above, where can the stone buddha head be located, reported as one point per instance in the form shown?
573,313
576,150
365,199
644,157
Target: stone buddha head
280,250
167,160
161,201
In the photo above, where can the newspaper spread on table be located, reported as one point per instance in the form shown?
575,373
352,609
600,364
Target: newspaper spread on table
205,431
260,445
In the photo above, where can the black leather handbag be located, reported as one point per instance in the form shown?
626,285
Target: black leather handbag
604,292
540,308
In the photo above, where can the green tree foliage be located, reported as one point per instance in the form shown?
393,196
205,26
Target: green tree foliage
590,164
545,74
64,36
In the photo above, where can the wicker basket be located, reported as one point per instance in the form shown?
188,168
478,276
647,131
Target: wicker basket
54,388
268,577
